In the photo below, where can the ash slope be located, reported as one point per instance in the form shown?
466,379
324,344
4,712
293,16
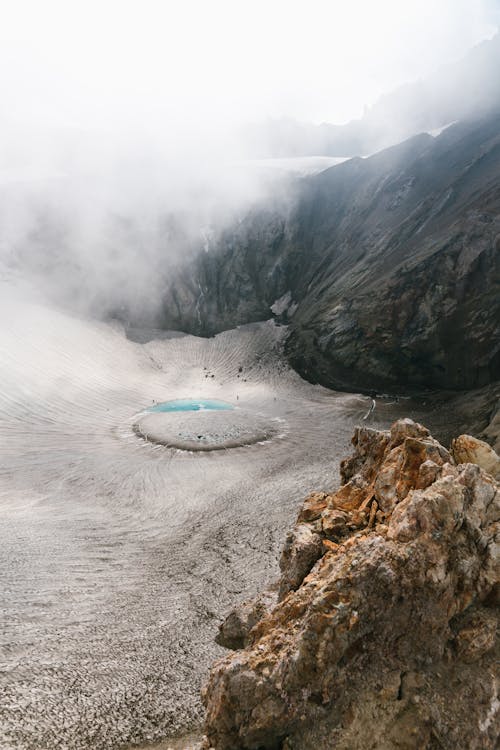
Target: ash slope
391,266
119,557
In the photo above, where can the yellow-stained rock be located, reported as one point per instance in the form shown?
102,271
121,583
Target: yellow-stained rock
468,449
387,618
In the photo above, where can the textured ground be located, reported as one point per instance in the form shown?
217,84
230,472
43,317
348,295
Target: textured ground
207,430
119,557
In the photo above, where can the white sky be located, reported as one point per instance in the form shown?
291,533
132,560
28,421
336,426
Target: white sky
164,65
131,108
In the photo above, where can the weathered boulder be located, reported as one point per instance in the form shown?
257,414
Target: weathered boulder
303,546
234,632
388,641
468,449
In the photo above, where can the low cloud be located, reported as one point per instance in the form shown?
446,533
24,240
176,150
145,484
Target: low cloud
122,150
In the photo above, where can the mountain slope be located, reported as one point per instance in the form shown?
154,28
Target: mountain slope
391,265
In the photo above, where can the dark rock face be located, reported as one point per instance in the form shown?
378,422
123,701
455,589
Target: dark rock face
234,632
389,640
391,265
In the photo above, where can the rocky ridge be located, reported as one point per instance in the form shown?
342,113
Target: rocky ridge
383,632
385,269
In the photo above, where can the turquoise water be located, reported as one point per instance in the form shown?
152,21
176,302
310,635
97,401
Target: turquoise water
190,404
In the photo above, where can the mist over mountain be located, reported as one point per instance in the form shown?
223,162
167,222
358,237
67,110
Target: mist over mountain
467,88
99,220
388,267
100,236
205,298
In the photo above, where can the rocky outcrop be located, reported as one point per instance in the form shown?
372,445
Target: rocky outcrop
468,449
234,632
386,637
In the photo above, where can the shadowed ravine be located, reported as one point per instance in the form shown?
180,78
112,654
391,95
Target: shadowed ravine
119,556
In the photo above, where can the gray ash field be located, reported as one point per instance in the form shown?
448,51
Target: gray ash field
119,556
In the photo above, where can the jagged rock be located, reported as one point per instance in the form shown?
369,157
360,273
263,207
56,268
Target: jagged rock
234,631
389,641
468,449
313,507
370,445
303,547
475,634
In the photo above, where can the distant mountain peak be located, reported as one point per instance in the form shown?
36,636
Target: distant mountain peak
464,89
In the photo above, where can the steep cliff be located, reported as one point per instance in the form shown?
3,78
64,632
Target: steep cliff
388,268
384,635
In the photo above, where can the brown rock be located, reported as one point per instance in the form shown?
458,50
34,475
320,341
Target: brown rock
302,548
400,468
234,632
386,640
407,428
468,449
427,474
370,445
313,507
333,523
476,634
